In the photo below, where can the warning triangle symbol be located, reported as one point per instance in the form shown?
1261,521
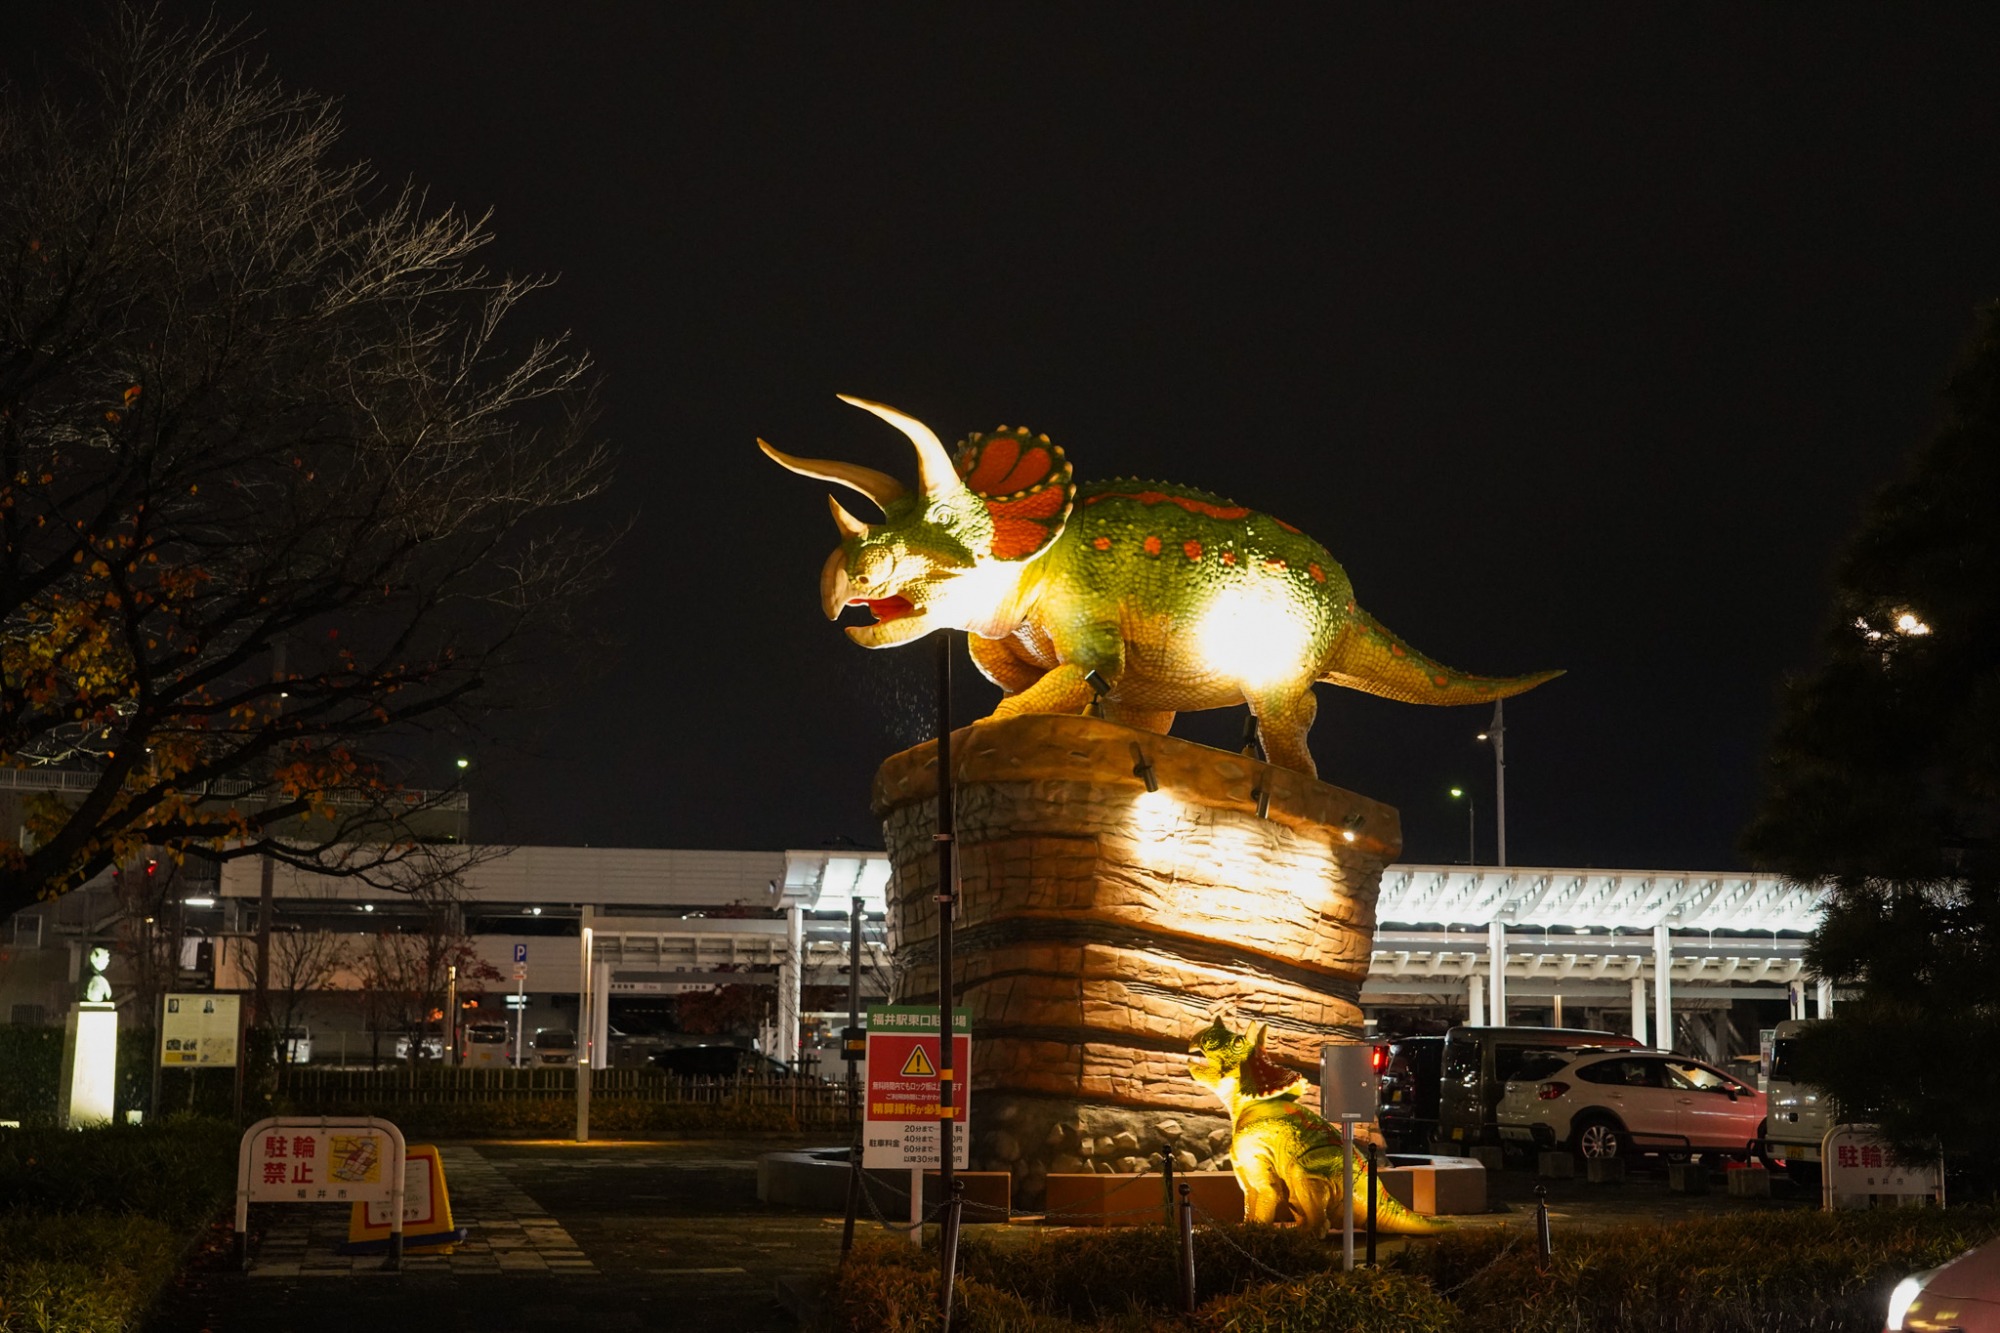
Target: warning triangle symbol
918,1065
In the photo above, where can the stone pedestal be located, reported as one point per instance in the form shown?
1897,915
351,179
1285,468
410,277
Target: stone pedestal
1100,924
89,1085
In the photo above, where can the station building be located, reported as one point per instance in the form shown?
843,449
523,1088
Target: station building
1696,961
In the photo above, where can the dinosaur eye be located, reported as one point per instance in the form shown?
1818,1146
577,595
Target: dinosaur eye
875,566
944,516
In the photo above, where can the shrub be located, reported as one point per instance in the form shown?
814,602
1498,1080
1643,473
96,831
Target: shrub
178,1171
1364,1301
1766,1271
81,1274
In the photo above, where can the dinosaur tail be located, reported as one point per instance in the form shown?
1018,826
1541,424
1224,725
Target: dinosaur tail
1390,1214
1366,656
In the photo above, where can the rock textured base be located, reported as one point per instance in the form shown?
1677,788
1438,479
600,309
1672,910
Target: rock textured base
1101,924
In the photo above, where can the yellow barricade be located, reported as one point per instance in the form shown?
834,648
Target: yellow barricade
427,1224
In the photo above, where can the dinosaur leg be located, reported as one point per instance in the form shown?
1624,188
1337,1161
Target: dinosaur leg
1309,1195
996,661
1262,1192
1065,688
1062,690
1284,716
1160,720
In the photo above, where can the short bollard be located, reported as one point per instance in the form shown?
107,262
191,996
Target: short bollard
1187,1247
1167,1180
1542,1244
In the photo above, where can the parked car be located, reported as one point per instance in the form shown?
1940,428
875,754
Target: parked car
715,1062
484,1044
1798,1113
1617,1103
1479,1061
430,1047
555,1046
1407,1092
1963,1295
297,1046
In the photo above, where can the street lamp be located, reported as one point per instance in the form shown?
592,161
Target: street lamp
1496,732
1471,826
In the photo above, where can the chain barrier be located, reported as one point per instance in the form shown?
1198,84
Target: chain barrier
1218,1228
1482,1270
903,1228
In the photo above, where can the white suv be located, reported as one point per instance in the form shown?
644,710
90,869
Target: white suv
1613,1103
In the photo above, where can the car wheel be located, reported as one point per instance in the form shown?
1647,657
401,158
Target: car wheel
1597,1137
1760,1149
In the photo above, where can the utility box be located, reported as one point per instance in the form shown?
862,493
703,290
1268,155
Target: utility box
1347,1081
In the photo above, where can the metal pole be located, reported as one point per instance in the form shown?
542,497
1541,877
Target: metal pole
1497,729
583,1001
946,903
1167,1180
1347,1123
1374,1189
1187,1248
451,1013
1542,1244
948,1243
855,1184
1471,831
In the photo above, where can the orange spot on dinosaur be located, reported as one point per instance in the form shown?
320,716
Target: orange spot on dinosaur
1102,543
1286,526
1229,557
1152,545
1192,549
996,460
1319,575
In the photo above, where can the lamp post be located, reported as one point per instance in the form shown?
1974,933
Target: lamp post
1471,826
1496,732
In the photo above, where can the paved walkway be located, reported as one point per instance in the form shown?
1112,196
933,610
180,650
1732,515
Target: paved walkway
509,1232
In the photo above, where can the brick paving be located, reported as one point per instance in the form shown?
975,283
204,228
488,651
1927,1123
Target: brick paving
509,1232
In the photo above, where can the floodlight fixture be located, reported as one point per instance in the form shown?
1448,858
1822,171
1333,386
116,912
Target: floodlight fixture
1142,768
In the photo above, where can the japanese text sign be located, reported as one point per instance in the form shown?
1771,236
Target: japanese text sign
321,1164
903,1081
1856,1167
199,1030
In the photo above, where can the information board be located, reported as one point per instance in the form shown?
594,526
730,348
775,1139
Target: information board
902,1122
322,1164
199,1030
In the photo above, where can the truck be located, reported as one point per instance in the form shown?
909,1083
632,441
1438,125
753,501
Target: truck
1798,1114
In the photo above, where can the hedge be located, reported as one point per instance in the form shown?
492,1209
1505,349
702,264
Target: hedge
1769,1271
547,1118
95,1221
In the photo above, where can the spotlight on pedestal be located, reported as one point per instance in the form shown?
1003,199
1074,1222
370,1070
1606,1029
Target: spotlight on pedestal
1142,768
1099,687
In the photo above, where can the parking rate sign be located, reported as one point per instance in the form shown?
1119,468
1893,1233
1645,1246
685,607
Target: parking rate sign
902,1127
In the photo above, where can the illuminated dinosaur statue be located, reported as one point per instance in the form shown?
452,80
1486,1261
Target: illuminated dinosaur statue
1161,598
1282,1153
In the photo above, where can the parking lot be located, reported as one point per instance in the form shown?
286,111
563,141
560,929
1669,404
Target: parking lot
662,1235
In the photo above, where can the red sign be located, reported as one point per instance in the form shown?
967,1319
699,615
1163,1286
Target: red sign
904,1078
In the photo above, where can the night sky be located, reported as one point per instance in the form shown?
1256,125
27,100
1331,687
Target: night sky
1578,334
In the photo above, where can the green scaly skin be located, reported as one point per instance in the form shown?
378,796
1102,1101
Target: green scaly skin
1173,598
1281,1152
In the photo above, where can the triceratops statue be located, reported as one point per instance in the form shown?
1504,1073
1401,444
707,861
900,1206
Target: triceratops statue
1282,1153
1158,597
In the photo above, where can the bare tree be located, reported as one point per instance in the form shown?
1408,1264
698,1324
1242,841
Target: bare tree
407,970
277,495
303,963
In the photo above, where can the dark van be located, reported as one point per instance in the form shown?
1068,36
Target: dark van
1479,1061
1407,1092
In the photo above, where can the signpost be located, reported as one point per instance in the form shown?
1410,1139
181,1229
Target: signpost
904,1107
520,1000
1856,1168
321,1159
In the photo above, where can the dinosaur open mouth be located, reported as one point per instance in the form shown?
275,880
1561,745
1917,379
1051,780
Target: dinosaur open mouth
886,609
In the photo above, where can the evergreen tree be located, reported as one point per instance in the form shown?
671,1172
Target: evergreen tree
1884,787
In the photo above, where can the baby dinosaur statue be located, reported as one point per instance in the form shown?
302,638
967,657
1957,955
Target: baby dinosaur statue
1159,598
1283,1153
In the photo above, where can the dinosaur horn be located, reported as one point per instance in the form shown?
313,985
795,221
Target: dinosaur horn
877,486
849,525
935,474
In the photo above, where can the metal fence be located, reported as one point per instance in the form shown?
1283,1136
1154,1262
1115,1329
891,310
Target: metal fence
812,1100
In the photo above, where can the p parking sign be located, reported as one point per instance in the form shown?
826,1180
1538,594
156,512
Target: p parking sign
904,1076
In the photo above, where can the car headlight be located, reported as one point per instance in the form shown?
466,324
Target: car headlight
1903,1297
